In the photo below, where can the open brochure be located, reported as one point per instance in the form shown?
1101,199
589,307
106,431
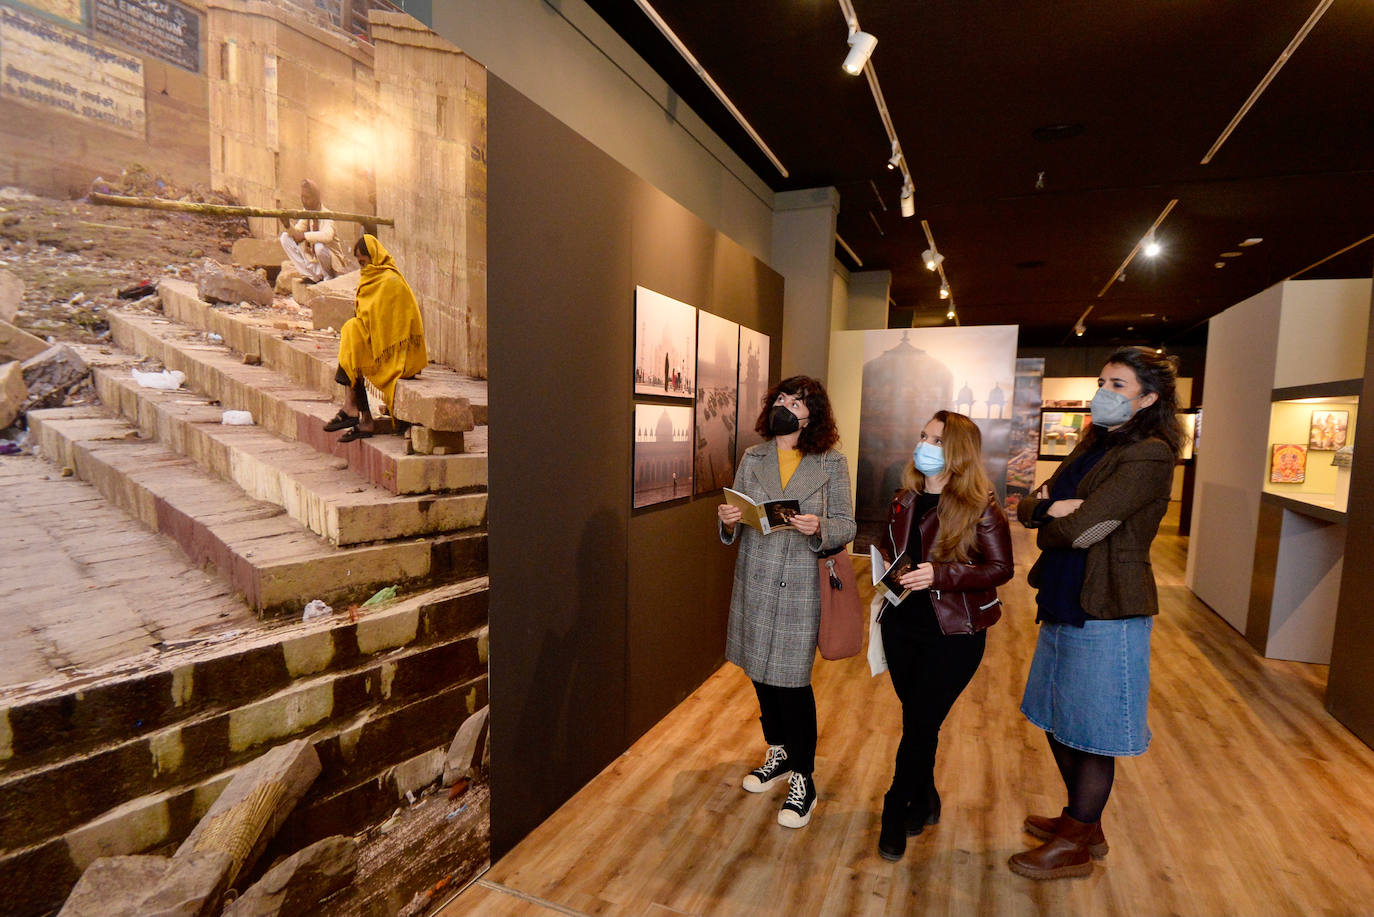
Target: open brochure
767,517
885,575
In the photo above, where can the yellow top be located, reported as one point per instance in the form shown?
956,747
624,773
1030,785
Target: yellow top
788,460
385,340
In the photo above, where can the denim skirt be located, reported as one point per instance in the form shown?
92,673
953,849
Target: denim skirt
1089,686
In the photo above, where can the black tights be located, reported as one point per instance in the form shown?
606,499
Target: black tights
789,720
1088,778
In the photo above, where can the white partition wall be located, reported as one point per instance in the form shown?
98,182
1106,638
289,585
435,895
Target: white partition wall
1298,333
1242,345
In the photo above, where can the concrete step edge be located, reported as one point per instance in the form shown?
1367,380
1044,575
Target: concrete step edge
217,524
189,425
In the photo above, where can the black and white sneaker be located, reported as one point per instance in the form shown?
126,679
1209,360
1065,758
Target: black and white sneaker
774,768
801,799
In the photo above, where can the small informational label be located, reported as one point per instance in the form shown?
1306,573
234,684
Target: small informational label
158,28
47,67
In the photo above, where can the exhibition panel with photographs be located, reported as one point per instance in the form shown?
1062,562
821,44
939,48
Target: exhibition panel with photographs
686,354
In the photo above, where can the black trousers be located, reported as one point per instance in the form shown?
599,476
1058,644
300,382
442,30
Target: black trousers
359,389
789,720
929,672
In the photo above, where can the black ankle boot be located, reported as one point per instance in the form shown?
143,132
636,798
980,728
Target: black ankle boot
921,815
892,833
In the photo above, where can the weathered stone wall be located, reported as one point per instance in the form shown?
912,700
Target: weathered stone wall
50,150
432,178
288,100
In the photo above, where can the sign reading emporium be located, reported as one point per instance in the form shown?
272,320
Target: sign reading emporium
159,28
47,67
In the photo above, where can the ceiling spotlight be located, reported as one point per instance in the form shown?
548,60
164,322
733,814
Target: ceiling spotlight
908,200
1220,264
1152,248
1253,240
896,158
1079,329
1159,350
1231,254
944,290
861,45
932,258
950,315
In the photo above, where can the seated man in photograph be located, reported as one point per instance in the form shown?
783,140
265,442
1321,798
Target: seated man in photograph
313,245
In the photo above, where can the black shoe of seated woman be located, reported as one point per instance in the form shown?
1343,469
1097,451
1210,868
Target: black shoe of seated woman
921,815
892,832
340,421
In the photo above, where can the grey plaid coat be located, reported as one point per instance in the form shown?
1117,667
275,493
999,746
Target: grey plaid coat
775,607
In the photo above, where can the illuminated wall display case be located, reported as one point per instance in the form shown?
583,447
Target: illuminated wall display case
1062,427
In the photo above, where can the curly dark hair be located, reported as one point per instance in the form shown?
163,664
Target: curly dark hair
1157,373
820,433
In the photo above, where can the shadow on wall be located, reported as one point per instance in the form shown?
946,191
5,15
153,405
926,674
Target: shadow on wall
572,674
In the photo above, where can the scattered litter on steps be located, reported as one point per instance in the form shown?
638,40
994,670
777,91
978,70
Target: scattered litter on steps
168,380
316,609
381,596
215,338
237,418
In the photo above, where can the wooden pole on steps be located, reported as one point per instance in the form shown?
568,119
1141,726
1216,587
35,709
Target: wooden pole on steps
231,210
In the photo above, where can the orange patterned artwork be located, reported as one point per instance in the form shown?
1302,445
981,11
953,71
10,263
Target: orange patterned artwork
1288,464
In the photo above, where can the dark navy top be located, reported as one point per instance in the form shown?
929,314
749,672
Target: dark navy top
1062,569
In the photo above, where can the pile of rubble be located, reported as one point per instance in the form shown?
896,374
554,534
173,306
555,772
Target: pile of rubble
356,877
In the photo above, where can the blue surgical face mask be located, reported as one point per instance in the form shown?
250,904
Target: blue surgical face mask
929,459
1110,409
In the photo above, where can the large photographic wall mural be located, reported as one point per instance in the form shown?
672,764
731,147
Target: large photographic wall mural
908,375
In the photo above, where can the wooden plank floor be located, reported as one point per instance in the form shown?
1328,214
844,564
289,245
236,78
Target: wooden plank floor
1252,800
83,585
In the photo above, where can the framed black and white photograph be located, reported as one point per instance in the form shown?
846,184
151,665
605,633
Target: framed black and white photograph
665,346
753,385
663,453
717,397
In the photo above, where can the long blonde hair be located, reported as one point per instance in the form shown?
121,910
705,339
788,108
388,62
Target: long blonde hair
966,488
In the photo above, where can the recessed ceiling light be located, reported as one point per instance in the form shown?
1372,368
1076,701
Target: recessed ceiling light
1231,254
1147,315
1220,264
1253,240
1130,327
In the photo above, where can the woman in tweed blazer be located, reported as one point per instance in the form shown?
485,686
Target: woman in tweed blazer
775,606
1089,682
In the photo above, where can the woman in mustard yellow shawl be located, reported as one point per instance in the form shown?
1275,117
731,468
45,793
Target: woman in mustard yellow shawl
383,342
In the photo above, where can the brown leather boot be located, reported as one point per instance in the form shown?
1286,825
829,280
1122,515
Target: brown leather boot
1064,855
1045,828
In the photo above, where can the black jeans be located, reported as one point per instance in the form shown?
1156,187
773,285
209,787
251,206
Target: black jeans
929,671
789,720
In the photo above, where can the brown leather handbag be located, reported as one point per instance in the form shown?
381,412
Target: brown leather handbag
842,613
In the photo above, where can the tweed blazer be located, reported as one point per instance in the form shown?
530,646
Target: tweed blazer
1124,498
775,605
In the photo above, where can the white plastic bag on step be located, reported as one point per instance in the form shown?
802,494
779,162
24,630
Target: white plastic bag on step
237,418
168,380
315,609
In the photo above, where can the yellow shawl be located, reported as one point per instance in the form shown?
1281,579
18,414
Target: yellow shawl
385,340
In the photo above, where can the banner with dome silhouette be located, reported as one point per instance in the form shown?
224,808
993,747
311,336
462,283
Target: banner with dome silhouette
908,375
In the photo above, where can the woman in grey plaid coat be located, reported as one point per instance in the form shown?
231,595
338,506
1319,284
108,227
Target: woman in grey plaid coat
775,607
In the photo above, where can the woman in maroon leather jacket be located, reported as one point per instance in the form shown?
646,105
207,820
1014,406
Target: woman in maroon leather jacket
946,516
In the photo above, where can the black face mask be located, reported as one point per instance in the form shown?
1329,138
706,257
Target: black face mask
782,421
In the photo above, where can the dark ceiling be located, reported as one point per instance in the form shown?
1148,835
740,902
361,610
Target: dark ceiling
1147,85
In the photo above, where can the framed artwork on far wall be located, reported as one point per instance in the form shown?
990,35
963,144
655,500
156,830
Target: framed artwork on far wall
1328,431
1288,464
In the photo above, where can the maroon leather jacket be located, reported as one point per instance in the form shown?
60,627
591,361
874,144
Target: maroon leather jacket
964,595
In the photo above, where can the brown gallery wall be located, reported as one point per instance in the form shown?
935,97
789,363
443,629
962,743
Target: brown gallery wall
1350,684
602,618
